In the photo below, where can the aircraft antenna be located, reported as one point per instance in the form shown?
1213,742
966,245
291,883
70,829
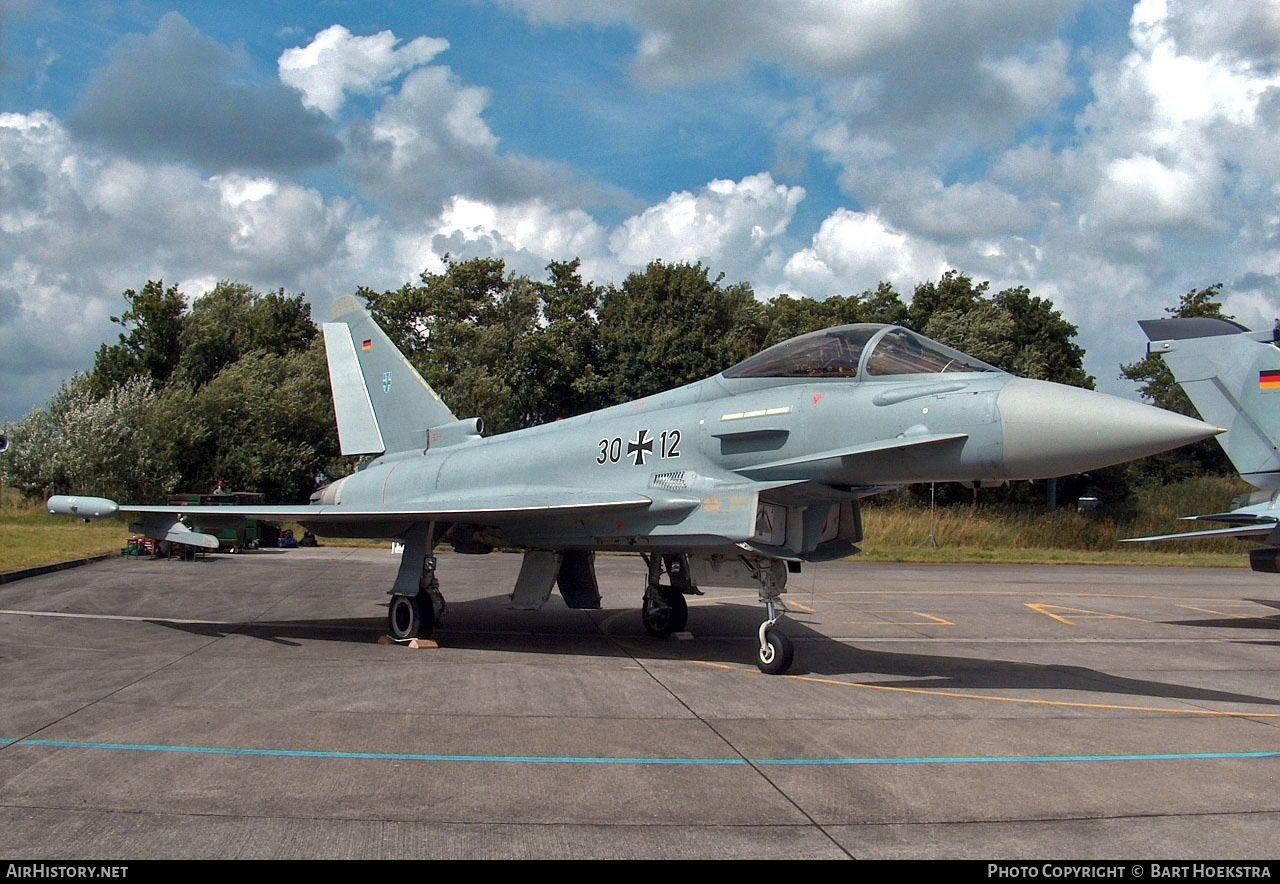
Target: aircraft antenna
932,539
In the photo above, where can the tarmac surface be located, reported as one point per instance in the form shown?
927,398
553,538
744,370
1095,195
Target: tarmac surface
243,706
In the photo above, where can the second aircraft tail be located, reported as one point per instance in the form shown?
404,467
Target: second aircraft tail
1232,376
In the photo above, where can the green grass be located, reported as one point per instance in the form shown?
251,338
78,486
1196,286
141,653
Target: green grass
899,532
29,536
895,532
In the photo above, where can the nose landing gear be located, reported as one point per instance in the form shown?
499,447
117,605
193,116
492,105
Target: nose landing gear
775,651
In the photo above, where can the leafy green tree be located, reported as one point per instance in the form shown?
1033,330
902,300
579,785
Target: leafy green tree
559,372
1044,342
110,445
264,423
955,293
981,330
671,325
787,317
152,346
233,320
1011,330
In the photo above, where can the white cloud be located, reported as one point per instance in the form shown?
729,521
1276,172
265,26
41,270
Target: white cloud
731,224
679,42
80,228
175,94
526,235
337,63
908,68
853,251
1140,192
429,142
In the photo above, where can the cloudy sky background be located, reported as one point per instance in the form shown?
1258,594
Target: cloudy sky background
1108,157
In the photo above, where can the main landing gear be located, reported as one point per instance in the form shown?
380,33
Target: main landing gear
664,610
415,616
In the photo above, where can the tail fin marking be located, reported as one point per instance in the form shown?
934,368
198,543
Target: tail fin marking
358,431
401,406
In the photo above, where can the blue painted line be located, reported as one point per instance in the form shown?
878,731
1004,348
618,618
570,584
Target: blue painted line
372,756
579,759
1021,759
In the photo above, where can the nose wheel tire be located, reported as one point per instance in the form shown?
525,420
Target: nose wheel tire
775,653
666,614
410,617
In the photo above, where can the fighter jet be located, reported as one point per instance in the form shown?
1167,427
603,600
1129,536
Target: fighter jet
736,480
1232,377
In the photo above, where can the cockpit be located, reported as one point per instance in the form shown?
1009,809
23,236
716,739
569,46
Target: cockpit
850,351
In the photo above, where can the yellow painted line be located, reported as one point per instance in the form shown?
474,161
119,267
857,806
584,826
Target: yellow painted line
1033,702
1000,592
937,620
1082,614
649,651
1266,612
1066,704
1040,609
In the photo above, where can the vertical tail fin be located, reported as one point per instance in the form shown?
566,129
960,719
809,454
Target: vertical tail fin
382,403
1232,376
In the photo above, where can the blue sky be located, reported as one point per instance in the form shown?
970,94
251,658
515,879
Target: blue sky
1108,156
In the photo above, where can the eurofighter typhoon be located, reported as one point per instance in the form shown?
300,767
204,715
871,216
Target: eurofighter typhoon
736,480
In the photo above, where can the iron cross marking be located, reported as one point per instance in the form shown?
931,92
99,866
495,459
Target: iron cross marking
639,447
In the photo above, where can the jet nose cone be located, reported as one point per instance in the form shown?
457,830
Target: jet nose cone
1055,430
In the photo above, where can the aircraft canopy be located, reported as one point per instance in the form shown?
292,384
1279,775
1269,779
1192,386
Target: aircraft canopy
849,351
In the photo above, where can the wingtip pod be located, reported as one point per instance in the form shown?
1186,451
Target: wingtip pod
82,507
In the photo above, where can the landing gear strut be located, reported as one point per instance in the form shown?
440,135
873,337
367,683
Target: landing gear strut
664,610
775,651
415,615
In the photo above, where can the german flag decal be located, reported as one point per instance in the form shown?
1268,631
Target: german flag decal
368,345
1269,379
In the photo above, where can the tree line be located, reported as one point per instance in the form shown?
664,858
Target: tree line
233,387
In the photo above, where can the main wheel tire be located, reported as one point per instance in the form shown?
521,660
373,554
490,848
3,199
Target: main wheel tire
410,617
671,614
679,608
657,617
775,657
